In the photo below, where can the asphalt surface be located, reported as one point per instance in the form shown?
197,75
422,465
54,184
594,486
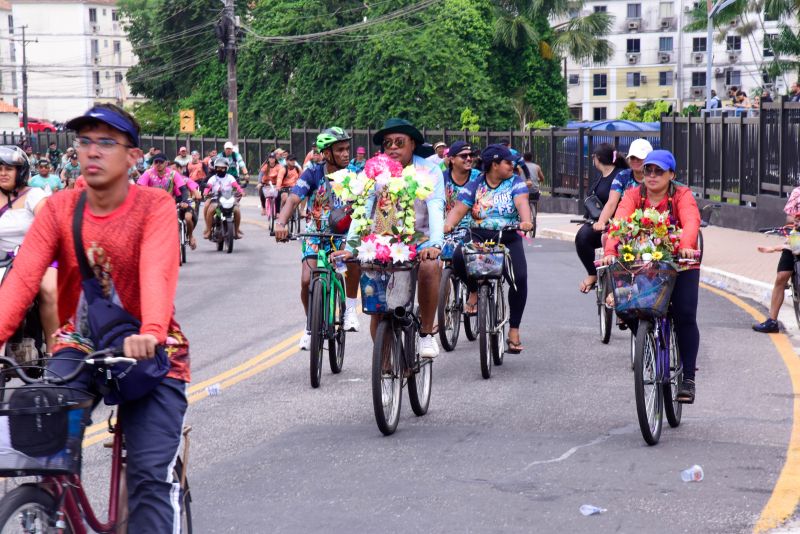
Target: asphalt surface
554,428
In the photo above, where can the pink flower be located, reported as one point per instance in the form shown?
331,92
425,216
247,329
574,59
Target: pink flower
381,164
412,252
383,254
369,238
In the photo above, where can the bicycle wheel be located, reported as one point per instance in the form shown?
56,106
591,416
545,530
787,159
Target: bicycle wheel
470,321
183,242
28,509
484,327
633,349
387,378
317,333
649,399
449,310
700,245
796,292
185,498
604,311
337,334
498,315
419,385
672,408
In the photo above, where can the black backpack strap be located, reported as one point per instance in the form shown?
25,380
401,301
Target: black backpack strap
77,238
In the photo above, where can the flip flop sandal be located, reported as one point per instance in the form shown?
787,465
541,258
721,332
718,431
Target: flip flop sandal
514,348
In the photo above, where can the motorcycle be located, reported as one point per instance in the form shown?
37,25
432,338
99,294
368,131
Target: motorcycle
223,228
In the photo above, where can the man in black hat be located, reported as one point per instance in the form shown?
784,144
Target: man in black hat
402,142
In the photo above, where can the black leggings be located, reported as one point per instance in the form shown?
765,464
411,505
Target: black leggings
262,196
516,298
586,240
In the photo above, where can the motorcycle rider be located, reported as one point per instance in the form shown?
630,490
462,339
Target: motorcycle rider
173,183
220,181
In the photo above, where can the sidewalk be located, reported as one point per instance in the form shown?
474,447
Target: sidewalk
731,262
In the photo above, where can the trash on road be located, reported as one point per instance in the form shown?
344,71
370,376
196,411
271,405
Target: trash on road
589,509
693,474
214,390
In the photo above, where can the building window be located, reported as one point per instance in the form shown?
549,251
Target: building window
698,79
12,52
634,11
699,44
10,24
634,46
665,78
574,79
769,38
117,78
104,12
665,44
770,16
95,48
117,47
665,9
634,79
105,43
734,43
600,85
92,15
599,114
96,75
114,15
733,77
600,9
767,79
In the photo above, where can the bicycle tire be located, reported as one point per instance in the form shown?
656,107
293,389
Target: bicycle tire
483,332
672,408
337,335
419,384
605,312
448,310
185,499
700,245
796,292
28,499
649,411
498,341
471,320
633,349
183,253
229,231
317,333
387,410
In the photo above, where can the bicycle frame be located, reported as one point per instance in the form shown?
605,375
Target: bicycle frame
661,332
324,274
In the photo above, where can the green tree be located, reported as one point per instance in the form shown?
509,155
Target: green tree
632,112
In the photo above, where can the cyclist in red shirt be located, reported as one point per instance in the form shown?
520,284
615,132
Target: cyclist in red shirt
129,234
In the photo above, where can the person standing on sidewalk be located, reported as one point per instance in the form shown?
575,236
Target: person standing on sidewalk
785,268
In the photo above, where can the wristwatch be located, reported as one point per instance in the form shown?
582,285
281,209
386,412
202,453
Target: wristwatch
283,225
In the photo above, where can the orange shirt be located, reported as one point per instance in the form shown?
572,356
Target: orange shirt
136,242
196,171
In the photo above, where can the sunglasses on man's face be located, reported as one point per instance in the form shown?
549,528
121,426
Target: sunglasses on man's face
653,170
466,156
399,142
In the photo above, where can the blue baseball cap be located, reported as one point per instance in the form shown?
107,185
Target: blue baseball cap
662,159
106,116
496,153
459,146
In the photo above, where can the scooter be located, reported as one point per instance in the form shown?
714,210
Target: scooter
223,228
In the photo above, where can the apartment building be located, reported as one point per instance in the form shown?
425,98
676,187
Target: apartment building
655,60
77,54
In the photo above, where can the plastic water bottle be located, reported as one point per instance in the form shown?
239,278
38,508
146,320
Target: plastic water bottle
693,474
340,265
588,509
214,390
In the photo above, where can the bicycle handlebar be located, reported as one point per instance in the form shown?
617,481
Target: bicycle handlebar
105,357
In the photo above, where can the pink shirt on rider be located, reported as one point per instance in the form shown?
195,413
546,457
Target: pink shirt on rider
216,184
150,178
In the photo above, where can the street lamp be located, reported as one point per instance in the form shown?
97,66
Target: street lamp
709,44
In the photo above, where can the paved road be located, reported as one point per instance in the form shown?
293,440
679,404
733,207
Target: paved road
554,428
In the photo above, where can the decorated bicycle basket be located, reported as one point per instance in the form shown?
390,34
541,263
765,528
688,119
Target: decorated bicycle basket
642,291
41,431
484,261
385,288
451,242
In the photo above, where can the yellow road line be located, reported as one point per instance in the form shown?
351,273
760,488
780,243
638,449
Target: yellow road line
786,493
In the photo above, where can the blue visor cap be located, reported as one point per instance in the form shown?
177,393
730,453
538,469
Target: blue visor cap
496,153
663,159
105,116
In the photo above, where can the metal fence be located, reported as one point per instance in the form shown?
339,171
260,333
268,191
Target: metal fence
736,158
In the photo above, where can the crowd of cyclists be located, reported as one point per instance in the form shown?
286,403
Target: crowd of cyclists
482,191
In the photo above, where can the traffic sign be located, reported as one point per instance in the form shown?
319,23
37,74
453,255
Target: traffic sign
187,120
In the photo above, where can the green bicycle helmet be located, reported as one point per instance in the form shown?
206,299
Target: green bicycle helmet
330,136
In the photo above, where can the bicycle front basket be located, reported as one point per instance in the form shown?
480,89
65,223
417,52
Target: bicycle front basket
484,261
41,431
384,288
642,291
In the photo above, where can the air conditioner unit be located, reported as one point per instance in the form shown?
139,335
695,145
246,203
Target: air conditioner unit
98,90
733,57
633,59
719,72
664,57
633,25
643,80
96,59
699,57
733,23
666,23
115,27
697,92
664,93
94,28
687,9
631,94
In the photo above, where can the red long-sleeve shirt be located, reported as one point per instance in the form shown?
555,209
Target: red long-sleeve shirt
684,209
135,244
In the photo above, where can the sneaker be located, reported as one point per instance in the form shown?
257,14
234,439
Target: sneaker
428,348
770,326
351,320
686,392
305,341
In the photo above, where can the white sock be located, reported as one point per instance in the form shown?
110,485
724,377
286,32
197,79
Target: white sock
351,303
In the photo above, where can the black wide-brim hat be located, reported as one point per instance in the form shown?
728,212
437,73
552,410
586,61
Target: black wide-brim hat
395,125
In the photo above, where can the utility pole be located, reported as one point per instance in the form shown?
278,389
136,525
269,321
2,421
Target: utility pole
24,83
229,20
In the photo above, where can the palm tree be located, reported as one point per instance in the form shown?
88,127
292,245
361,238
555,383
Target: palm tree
523,23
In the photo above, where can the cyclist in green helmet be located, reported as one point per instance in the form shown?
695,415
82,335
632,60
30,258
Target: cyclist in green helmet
326,213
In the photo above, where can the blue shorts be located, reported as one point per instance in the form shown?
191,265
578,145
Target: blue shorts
311,245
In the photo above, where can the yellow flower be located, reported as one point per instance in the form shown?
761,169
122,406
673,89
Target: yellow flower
628,257
657,255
